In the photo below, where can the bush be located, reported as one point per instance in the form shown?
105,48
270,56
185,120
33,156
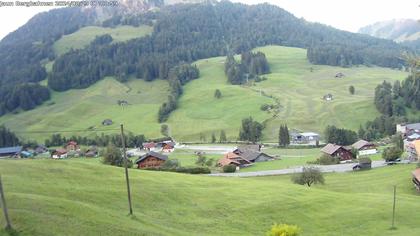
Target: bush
391,153
284,230
309,176
173,163
326,160
229,169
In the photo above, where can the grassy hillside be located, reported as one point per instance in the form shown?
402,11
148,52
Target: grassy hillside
83,197
299,91
85,35
84,108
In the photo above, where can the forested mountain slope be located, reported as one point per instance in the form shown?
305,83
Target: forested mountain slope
182,33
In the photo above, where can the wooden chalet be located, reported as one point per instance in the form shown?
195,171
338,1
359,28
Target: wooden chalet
232,158
168,146
72,146
337,151
151,160
364,147
59,153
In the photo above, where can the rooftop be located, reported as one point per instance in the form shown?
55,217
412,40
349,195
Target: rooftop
9,150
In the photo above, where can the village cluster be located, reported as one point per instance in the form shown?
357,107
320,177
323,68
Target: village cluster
155,154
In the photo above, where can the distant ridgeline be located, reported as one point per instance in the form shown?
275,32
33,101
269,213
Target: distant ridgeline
182,34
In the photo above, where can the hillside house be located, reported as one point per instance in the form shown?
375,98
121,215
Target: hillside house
328,97
107,122
231,158
10,152
364,147
339,75
337,151
40,149
72,146
151,160
149,146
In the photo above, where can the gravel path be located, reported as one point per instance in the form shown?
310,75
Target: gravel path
325,169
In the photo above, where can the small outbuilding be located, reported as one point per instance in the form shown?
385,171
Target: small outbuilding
107,122
328,97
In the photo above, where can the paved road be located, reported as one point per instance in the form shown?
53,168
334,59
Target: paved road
328,168
214,149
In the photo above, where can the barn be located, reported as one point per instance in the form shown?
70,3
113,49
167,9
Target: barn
151,160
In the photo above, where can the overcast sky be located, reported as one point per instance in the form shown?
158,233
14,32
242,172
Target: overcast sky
343,14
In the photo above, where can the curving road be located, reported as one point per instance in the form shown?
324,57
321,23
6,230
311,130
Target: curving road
323,168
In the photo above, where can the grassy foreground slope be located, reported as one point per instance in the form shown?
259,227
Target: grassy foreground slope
84,108
83,197
85,35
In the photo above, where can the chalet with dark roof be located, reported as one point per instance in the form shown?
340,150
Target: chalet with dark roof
337,151
151,160
252,155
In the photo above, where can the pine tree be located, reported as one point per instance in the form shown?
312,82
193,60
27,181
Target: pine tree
222,138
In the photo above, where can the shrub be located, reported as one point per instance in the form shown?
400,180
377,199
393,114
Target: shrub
173,163
229,169
326,160
309,176
284,230
392,154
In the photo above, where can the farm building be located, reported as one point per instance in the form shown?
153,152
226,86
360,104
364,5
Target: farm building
107,122
328,97
364,147
10,152
231,158
339,75
252,155
59,153
305,138
150,160
337,151
408,128
92,152
149,146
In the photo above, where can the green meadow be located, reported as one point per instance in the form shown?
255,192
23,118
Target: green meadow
85,35
297,84
84,197
84,108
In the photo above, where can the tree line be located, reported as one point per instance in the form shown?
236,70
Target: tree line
7,137
251,66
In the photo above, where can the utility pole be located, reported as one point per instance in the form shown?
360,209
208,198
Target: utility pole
393,207
3,203
126,170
